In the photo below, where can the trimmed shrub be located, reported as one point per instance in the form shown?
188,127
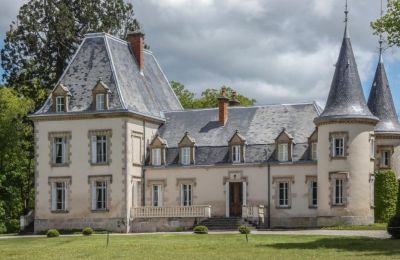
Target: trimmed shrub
243,229
3,228
88,231
200,230
12,226
394,226
180,229
53,233
386,189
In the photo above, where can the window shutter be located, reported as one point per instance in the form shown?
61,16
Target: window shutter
66,195
53,196
182,194
65,152
93,195
160,196
53,152
94,148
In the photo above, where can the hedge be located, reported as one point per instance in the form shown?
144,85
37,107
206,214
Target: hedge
200,230
386,189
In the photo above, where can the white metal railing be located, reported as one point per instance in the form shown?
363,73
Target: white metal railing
24,221
171,212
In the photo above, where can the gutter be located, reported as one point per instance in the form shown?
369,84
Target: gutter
143,168
128,213
269,197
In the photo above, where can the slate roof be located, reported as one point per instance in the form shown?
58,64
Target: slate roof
346,98
380,102
101,55
259,125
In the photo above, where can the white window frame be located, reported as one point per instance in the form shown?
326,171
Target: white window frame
185,155
283,202
283,152
60,104
338,194
156,156
59,145
102,202
372,148
236,154
314,155
338,148
59,203
100,149
314,191
186,195
100,102
385,158
156,195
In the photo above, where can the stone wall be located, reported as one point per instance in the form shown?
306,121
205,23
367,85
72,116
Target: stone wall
139,225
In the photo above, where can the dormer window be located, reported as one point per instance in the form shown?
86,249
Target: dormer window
237,145
60,104
100,102
100,96
314,151
284,146
187,147
312,144
158,149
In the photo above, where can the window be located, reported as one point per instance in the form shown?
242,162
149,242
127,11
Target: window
236,157
283,152
137,147
339,192
100,196
60,104
372,148
99,149
186,199
284,194
156,196
314,151
59,193
385,158
185,155
59,150
338,147
156,156
314,193
100,101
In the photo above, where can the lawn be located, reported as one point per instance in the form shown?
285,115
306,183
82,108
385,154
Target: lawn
376,226
190,246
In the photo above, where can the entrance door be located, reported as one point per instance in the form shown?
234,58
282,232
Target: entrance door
235,199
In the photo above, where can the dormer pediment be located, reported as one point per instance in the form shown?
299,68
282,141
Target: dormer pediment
186,141
284,136
158,142
314,136
61,90
101,87
237,139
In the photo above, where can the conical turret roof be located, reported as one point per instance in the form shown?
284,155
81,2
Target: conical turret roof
380,102
346,99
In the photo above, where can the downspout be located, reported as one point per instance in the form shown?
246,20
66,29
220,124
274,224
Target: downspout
127,181
269,197
143,164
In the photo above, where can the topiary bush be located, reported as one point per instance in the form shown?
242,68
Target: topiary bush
386,189
88,231
53,233
393,227
243,229
200,230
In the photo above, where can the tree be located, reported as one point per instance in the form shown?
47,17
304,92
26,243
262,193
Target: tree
16,156
390,23
208,99
386,189
40,43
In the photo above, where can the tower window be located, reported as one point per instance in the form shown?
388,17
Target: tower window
385,158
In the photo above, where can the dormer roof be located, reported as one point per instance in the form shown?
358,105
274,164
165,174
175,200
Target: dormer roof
101,86
60,89
237,138
187,140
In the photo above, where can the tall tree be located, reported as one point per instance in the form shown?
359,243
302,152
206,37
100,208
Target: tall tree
390,23
40,43
208,99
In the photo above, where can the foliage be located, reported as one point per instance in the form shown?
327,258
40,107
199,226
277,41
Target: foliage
390,23
393,227
16,156
180,229
243,229
52,233
88,231
375,226
187,246
200,230
12,226
47,33
385,195
208,99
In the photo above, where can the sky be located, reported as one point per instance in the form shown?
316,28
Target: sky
276,51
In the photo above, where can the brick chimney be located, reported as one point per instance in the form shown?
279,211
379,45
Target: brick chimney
223,102
136,40
234,101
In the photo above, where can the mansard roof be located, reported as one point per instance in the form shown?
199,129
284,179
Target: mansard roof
259,124
346,99
103,56
380,102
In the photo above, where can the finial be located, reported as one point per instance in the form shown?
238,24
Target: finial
346,20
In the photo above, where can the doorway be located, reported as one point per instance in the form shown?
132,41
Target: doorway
235,199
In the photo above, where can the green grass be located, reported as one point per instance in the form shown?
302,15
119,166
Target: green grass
376,226
190,246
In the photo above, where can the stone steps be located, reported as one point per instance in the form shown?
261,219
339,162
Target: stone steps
223,223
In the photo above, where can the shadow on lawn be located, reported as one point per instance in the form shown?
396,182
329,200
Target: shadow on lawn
366,246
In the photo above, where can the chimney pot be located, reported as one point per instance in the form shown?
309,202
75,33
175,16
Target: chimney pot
223,102
136,40
234,101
